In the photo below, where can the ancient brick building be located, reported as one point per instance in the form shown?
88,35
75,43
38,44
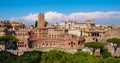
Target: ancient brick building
96,35
40,21
46,37
23,36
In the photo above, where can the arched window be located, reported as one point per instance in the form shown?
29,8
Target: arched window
79,43
25,45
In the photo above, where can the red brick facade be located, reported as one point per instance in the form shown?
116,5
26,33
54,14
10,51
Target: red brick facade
46,37
40,21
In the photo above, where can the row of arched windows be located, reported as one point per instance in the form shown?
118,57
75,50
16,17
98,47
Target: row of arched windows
48,45
22,45
22,33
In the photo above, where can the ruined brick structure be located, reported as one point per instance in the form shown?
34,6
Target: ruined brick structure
40,21
96,35
46,37
23,36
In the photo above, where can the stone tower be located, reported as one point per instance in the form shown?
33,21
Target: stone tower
40,21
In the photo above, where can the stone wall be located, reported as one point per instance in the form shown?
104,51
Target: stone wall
114,33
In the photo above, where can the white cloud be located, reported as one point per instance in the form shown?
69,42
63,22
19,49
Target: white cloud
14,19
30,17
55,16
94,15
79,16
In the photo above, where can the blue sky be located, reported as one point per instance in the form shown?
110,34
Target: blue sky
21,8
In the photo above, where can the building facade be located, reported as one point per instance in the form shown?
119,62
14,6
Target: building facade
47,37
71,24
96,35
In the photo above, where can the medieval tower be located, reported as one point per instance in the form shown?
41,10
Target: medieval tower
40,21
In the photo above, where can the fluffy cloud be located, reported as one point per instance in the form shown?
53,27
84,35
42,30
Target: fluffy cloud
94,15
55,16
79,16
30,17
14,19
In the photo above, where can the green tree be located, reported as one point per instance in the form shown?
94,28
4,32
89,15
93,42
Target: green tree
106,53
8,40
30,57
93,46
32,26
46,23
24,25
7,57
55,56
115,42
36,23
110,27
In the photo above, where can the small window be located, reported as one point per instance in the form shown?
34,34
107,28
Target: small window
74,43
72,36
25,45
69,43
79,43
